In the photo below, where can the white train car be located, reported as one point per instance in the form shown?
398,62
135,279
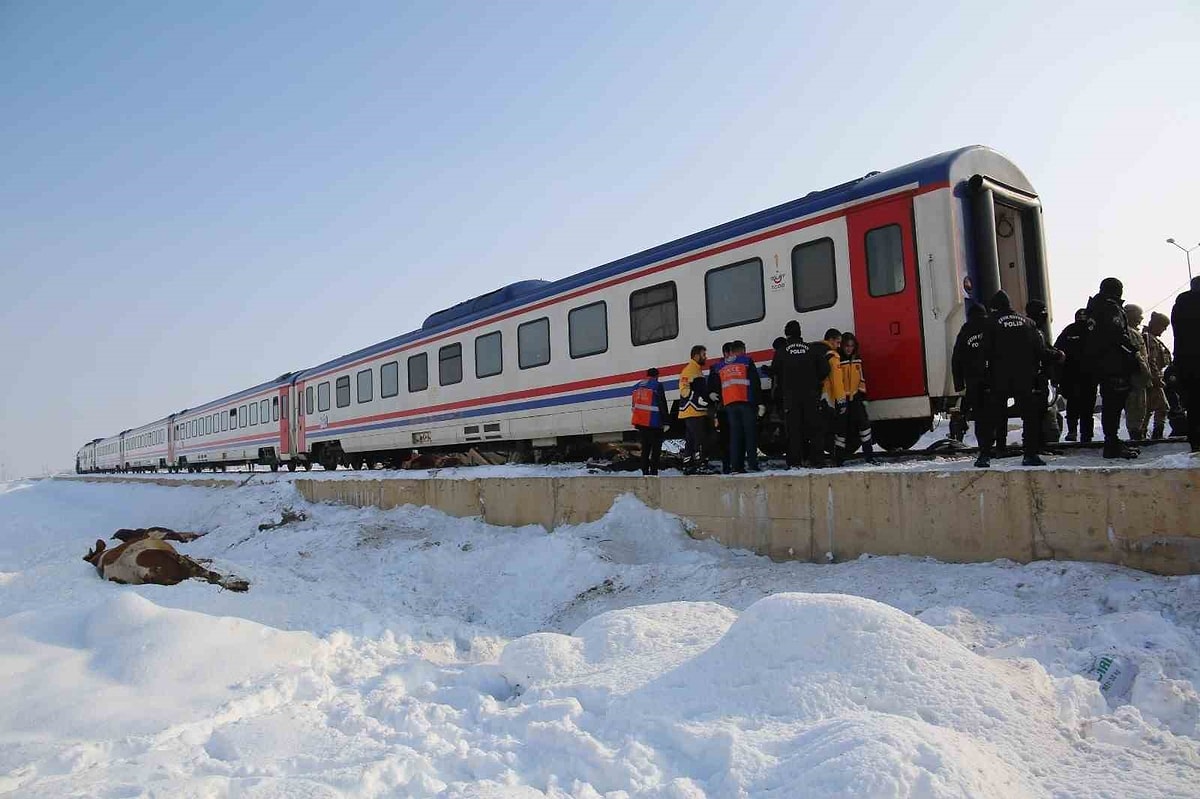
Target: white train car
145,447
108,454
85,458
250,426
893,256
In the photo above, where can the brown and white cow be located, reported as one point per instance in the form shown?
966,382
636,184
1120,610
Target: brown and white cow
147,557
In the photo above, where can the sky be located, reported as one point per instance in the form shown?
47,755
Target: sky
198,197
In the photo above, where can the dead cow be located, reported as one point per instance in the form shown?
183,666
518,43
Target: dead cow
147,557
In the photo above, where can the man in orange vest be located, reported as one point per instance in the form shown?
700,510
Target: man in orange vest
650,417
741,393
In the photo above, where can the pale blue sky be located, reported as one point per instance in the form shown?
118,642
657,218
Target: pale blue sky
197,197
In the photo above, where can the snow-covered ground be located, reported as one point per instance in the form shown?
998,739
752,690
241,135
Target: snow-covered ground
407,653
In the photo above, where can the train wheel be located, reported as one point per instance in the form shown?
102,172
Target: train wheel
308,466
274,466
291,466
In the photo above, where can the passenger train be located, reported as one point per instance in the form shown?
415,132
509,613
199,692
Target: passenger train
894,256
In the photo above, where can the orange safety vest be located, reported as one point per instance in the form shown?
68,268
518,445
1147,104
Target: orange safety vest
735,382
645,404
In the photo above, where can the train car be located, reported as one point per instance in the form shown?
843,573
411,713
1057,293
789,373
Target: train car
250,426
108,454
894,256
145,447
85,458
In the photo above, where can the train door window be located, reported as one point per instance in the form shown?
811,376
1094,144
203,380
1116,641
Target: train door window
342,387
814,275
242,416
533,343
418,372
224,422
733,295
274,409
233,418
308,400
264,411
323,397
654,314
489,354
389,379
450,365
366,386
253,413
885,261
280,408
587,330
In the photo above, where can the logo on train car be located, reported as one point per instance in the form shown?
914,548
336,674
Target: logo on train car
777,280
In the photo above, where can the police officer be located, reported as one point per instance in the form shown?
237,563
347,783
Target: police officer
969,366
741,393
1185,321
650,417
1112,358
1159,358
799,371
1136,404
1077,383
1049,371
1017,352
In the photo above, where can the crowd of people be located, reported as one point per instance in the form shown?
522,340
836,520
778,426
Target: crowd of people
1001,354
818,390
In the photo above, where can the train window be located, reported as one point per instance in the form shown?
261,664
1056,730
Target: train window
418,372
274,409
233,418
323,396
885,261
242,416
489,354
814,277
733,295
308,400
654,314
264,411
389,379
450,365
587,330
366,387
533,343
253,413
342,388
224,422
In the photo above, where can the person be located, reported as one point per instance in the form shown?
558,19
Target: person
1185,319
693,408
834,402
969,369
1016,354
649,417
1048,373
1077,383
720,418
799,372
1158,357
858,421
741,392
1135,405
1112,358
1176,414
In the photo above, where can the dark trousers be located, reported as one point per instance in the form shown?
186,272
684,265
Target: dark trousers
1189,395
802,420
651,438
723,431
858,428
743,436
693,436
1114,393
978,399
1081,405
1027,404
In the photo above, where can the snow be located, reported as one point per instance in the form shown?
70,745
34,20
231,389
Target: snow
407,653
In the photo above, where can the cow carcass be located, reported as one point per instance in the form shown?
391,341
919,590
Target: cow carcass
146,556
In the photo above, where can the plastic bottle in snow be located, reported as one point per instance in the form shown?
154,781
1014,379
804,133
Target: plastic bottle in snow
1115,675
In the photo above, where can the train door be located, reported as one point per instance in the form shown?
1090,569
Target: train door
1010,252
301,444
887,312
171,442
285,439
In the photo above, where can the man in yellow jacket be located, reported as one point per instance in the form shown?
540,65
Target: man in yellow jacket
833,396
693,408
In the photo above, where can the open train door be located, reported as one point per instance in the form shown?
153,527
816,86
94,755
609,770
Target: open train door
887,318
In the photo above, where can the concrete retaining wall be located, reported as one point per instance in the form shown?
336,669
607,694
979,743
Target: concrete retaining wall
1143,518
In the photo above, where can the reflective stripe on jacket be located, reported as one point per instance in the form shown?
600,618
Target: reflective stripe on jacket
735,380
645,404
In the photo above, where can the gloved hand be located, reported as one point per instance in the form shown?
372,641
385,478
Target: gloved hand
762,411
714,397
842,407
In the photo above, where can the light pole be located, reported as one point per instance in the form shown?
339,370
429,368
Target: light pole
1187,251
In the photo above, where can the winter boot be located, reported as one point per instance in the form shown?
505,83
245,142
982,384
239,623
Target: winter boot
1157,433
1118,450
984,460
1032,460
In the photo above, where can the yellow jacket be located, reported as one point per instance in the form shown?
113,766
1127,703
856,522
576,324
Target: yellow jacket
852,377
689,401
833,390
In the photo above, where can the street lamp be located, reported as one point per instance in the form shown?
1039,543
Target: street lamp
1187,251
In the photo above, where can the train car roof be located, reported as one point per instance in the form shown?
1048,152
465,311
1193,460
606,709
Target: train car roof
283,380
943,168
